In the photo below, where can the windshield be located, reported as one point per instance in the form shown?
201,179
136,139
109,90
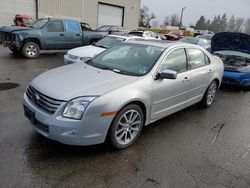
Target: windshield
129,59
26,20
174,33
189,40
38,23
103,28
109,41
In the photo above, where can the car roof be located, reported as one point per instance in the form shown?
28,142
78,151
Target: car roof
126,36
57,19
161,43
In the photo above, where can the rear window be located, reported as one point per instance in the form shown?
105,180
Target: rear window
72,26
139,34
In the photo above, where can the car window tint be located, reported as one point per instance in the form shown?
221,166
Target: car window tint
55,26
72,26
176,61
197,58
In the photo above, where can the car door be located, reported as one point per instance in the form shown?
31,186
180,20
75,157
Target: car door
54,35
200,69
171,95
73,33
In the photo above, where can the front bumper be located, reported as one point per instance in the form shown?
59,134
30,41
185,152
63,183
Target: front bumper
89,130
236,79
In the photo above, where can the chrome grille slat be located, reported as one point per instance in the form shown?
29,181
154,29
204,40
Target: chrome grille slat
46,103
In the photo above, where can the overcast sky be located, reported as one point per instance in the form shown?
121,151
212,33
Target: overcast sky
196,8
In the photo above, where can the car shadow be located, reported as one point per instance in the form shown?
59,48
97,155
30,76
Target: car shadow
234,89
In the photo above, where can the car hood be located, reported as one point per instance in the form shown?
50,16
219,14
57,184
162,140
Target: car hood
71,81
10,29
231,41
86,51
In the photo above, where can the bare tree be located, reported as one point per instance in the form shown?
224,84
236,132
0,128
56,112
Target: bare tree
151,17
247,26
231,24
166,20
174,20
145,17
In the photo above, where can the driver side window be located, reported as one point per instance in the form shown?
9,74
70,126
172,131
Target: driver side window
176,61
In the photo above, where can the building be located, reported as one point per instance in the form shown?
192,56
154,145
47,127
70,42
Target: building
95,12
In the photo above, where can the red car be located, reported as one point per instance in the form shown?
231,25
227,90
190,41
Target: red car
174,35
22,20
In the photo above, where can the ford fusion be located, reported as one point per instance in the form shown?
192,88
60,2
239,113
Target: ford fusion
115,94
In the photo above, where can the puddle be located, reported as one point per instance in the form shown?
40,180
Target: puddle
6,86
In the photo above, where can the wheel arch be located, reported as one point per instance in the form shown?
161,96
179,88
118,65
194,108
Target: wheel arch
35,40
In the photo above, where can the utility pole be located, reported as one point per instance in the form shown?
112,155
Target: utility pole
182,10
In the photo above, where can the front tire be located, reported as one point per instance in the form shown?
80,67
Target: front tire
126,126
30,50
209,95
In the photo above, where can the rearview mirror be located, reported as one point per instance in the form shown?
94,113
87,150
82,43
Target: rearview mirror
166,74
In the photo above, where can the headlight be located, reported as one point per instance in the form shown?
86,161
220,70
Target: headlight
76,107
83,59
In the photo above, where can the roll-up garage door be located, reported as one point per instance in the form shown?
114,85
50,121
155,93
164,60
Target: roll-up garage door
110,15
9,8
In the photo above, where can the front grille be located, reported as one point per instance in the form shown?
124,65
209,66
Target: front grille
73,57
48,104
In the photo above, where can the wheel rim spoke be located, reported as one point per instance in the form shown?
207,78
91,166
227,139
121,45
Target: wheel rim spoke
128,127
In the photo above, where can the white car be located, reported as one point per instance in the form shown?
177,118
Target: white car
86,52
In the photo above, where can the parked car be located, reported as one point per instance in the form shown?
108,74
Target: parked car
205,36
116,93
22,20
42,34
99,33
234,50
174,35
197,41
48,34
86,52
146,34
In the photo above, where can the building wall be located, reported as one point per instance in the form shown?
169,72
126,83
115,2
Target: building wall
9,8
87,10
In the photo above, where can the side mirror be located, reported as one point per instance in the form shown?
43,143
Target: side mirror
166,74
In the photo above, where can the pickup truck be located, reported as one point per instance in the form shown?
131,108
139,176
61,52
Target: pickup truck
47,34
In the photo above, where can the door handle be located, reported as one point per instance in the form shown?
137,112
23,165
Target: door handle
210,71
186,79
62,34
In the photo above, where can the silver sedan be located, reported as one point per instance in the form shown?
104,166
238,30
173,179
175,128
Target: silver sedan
115,94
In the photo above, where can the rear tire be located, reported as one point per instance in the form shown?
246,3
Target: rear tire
126,126
30,50
209,95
